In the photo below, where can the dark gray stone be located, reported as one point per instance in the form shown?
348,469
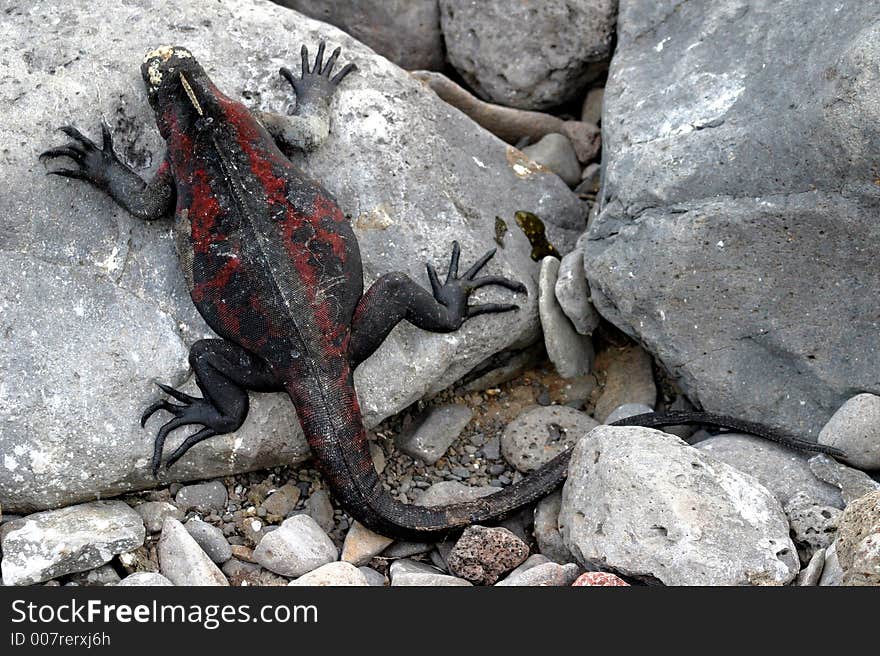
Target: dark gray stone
530,55
737,232
556,152
319,508
434,432
210,539
104,291
204,497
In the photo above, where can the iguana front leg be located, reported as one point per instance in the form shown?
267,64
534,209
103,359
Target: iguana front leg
395,296
101,166
309,126
224,373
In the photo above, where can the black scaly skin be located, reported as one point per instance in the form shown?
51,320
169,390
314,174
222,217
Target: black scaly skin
274,268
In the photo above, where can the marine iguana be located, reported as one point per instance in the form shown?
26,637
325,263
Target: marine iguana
273,266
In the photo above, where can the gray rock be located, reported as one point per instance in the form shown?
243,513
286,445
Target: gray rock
412,573
446,492
782,471
283,500
569,351
852,483
591,110
627,410
546,530
204,497
405,31
105,292
361,544
153,514
332,574
100,576
405,549
434,432
297,547
573,294
373,578
49,544
145,579
528,55
556,152
320,509
733,240
537,570
629,378
855,428
183,561
865,568
812,573
482,554
210,539
645,504
813,527
832,574
858,541
541,433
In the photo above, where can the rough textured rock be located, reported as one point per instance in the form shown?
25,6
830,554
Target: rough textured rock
629,378
569,351
556,152
541,433
183,561
737,229
96,303
546,530
643,503
481,555
204,497
528,54
48,544
153,514
813,527
361,544
573,293
598,579
298,546
210,539
434,432
405,31
783,471
145,579
332,574
855,428
858,542
409,572
852,483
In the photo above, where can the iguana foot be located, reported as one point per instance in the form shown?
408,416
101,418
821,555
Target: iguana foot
454,292
317,83
93,163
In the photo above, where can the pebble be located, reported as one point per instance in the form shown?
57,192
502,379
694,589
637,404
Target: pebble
446,492
332,574
100,576
153,514
204,497
538,571
183,561
361,545
602,579
627,410
573,293
629,378
482,554
813,527
546,530
855,429
411,573
374,578
492,448
556,152
320,509
49,544
299,546
810,575
852,483
405,549
435,431
569,351
145,579
210,539
832,574
540,434
282,501
378,457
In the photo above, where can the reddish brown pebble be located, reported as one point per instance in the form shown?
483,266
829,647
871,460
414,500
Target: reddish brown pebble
598,579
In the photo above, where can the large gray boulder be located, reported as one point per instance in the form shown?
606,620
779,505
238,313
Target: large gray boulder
93,303
531,55
738,232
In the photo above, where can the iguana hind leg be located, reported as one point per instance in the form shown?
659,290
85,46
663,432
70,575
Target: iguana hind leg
395,296
224,373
